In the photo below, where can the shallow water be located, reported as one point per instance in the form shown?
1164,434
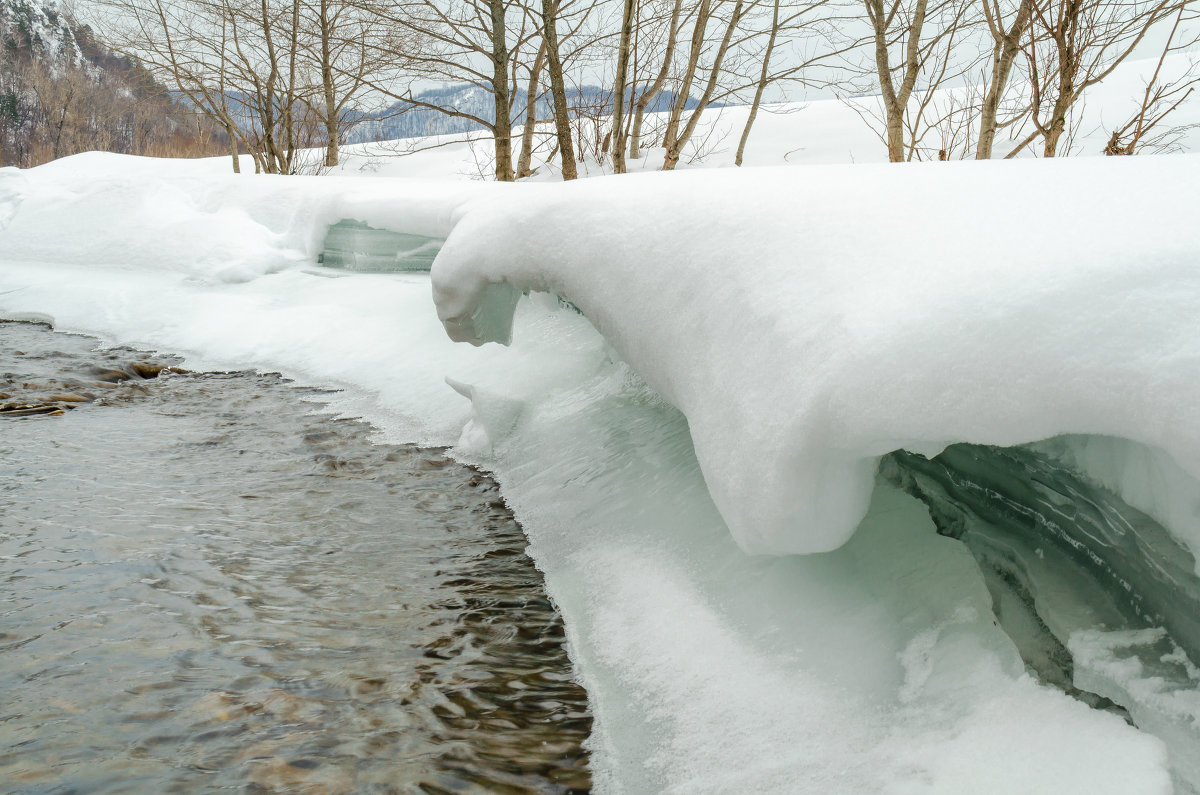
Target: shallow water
208,586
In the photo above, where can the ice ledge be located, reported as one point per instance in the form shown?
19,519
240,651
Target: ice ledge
809,320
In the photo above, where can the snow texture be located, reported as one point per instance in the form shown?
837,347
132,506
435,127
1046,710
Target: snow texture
808,321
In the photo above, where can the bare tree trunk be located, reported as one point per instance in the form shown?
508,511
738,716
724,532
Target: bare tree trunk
267,96
1062,104
525,160
674,140
685,88
1086,41
762,85
233,149
651,93
65,101
618,124
289,128
501,93
331,109
562,122
895,100
1004,53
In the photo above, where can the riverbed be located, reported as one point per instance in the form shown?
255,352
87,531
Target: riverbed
213,583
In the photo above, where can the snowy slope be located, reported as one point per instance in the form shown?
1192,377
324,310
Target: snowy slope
795,133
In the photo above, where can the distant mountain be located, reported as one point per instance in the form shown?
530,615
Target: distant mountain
406,120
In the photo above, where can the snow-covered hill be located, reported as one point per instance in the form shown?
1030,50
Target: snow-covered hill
796,133
406,120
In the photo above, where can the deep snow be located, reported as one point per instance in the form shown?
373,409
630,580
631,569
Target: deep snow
750,342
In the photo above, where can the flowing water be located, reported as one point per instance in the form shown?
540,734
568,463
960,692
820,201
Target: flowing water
209,585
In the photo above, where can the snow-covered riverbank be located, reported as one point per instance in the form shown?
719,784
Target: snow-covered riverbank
731,354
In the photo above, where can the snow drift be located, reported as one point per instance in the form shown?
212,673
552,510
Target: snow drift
143,212
808,321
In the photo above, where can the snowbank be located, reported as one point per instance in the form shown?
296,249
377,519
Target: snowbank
180,256
807,321
190,215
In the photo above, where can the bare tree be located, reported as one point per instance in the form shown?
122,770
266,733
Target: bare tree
670,36
677,136
763,81
629,10
1006,45
342,44
813,23
1073,45
1161,98
529,128
66,94
238,61
562,123
482,43
913,56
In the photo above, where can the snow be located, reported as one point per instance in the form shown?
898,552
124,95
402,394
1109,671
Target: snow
802,341
734,352
229,228
818,131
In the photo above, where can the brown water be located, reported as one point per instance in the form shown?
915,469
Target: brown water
206,586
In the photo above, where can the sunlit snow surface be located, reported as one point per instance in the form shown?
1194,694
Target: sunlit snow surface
790,327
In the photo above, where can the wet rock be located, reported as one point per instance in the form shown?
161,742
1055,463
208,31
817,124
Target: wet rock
146,369
221,706
107,375
71,397
25,410
51,381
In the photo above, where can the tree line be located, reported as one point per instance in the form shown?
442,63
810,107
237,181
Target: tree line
936,79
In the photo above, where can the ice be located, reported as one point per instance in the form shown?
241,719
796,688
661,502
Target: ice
874,668
190,216
1147,478
1147,671
373,335
356,246
1086,585
1041,526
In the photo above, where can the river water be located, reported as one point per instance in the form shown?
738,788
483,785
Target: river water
209,584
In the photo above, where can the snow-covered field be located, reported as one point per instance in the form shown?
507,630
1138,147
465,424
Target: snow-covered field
708,364
823,131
